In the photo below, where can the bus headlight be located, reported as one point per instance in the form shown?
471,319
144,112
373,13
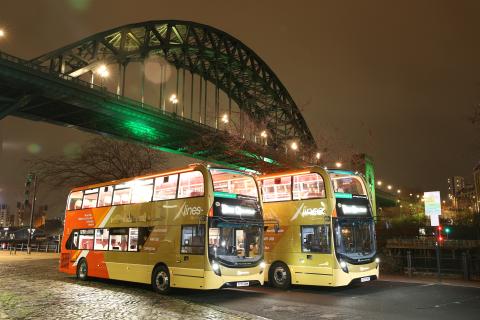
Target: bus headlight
344,266
377,260
262,266
216,268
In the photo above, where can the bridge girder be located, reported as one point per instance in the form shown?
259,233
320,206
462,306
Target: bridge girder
203,50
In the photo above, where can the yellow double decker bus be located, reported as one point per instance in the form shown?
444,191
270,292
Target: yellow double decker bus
198,227
324,234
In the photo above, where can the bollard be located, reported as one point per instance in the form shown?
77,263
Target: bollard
409,263
21,249
466,275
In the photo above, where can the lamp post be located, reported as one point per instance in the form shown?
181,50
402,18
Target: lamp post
174,100
103,73
32,209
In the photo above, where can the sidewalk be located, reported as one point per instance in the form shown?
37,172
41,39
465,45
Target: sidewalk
5,256
429,280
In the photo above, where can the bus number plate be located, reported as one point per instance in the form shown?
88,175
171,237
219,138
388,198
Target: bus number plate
243,284
364,279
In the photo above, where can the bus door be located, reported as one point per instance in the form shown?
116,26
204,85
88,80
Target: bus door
316,260
190,260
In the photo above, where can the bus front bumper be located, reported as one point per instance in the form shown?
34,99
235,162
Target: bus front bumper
214,281
356,275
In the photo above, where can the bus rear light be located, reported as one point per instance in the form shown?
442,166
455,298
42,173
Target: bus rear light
210,212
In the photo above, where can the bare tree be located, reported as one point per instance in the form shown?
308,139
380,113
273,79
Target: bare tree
100,159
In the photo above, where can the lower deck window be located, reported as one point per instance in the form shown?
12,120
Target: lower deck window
115,239
193,239
316,238
118,239
85,241
101,239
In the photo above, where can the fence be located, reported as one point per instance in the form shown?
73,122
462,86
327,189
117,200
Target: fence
449,263
35,247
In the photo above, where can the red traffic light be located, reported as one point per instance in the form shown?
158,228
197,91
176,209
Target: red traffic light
440,238
439,228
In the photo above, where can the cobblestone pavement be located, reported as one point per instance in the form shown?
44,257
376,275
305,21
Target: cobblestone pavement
32,288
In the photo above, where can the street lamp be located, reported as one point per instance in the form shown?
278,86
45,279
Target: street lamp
263,134
103,73
294,146
318,155
2,33
398,191
389,187
173,99
225,118
379,183
338,164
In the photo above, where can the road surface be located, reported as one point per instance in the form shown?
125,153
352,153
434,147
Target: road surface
32,288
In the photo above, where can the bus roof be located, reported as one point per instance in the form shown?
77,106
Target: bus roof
190,167
291,172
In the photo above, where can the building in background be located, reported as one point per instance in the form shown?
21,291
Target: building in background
40,216
455,184
6,219
476,184
20,219
466,199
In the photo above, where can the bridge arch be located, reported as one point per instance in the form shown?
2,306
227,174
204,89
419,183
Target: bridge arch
202,50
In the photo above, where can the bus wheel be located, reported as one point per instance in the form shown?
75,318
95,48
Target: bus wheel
82,270
161,280
280,275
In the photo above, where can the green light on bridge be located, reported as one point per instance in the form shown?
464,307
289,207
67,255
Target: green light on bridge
141,130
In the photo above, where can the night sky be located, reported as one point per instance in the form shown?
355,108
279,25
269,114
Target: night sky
395,79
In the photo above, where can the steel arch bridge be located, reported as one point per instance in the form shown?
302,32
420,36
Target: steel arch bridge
36,89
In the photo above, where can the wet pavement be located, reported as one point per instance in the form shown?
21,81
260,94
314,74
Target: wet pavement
32,288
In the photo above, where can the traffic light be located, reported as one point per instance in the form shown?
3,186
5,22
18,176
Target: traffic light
439,233
447,230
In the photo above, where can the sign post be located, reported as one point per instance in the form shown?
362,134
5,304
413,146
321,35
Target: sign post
433,208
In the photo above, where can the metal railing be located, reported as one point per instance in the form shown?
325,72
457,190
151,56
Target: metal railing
36,247
431,243
99,89
462,264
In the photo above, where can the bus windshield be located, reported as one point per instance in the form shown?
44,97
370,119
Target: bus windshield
355,238
235,244
350,183
234,182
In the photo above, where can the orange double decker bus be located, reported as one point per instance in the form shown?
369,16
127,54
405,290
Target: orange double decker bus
197,227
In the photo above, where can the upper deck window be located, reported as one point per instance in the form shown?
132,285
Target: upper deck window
234,182
277,189
348,184
122,194
90,198
142,191
165,187
191,184
105,198
75,200
307,186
